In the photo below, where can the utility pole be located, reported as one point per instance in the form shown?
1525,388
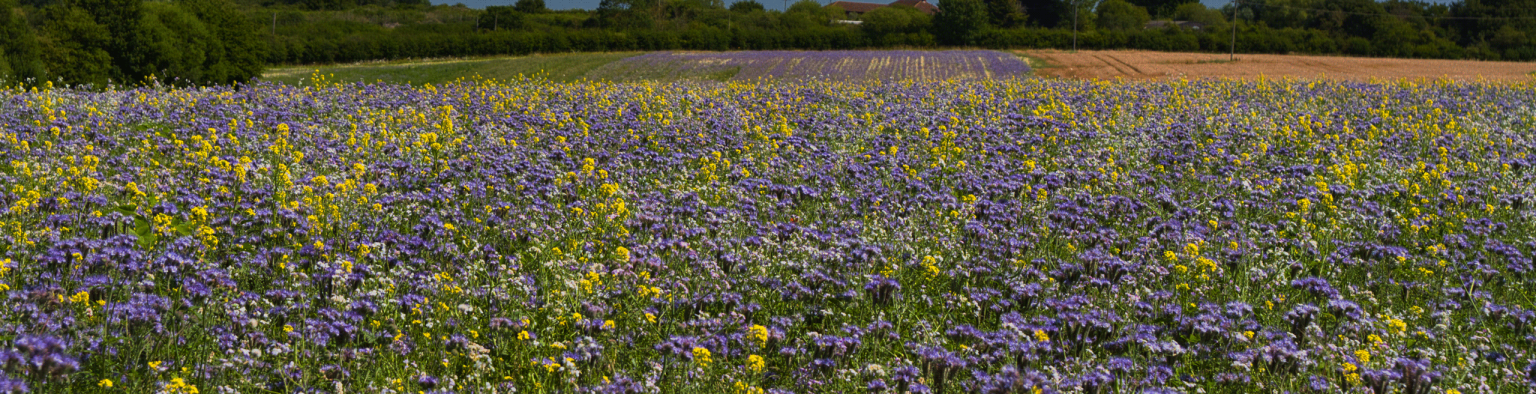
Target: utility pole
1232,57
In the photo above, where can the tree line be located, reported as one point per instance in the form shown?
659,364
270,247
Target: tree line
98,42
197,42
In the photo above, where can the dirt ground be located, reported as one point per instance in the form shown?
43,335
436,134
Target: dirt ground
1153,65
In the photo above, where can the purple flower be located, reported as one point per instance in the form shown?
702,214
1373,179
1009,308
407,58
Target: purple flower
1317,287
9,385
426,382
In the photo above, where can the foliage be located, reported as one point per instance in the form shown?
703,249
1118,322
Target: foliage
1196,12
1162,8
1006,13
75,47
960,21
899,19
496,18
1121,15
747,6
529,6
20,57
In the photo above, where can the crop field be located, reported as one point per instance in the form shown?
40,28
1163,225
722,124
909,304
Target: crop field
562,67
847,66
819,65
965,236
1173,65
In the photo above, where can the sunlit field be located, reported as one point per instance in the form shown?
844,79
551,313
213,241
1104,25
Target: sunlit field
966,236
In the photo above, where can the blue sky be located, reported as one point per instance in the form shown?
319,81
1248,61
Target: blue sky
771,4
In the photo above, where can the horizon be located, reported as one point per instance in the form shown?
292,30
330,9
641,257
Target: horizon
769,4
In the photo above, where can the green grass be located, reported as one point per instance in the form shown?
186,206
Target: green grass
556,67
1036,63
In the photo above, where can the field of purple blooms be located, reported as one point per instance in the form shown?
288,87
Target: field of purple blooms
862,66
968,236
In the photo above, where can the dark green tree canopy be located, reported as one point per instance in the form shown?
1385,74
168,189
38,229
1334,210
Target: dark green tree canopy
529,6
959,21
1121,15
747,6
1162,8
897,19
1005,13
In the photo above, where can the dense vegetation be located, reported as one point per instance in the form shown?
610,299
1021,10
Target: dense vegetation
217,41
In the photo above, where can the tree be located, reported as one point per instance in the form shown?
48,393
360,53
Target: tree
1196,12
1162,8
1047,13
500,18
896,19
1005,13
20,57
529,6
959,21
176,45
747,6
235,54
805,14
75,46
627,14
122,20
1121,15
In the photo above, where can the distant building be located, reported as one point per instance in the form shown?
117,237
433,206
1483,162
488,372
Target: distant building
1182,24
854,9
920,5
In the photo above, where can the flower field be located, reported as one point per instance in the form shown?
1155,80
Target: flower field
968,236
843,66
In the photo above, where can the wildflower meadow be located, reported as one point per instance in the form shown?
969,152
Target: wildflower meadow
1008,235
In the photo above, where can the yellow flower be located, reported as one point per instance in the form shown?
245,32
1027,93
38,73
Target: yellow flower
701,356
622,254
154,365
179,386
760,333
756,363
107,383
1363,355
1041,336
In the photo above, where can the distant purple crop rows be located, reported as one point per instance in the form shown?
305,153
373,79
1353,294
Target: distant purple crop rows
831,65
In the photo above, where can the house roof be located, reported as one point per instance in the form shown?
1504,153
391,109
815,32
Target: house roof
851,6
920,5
